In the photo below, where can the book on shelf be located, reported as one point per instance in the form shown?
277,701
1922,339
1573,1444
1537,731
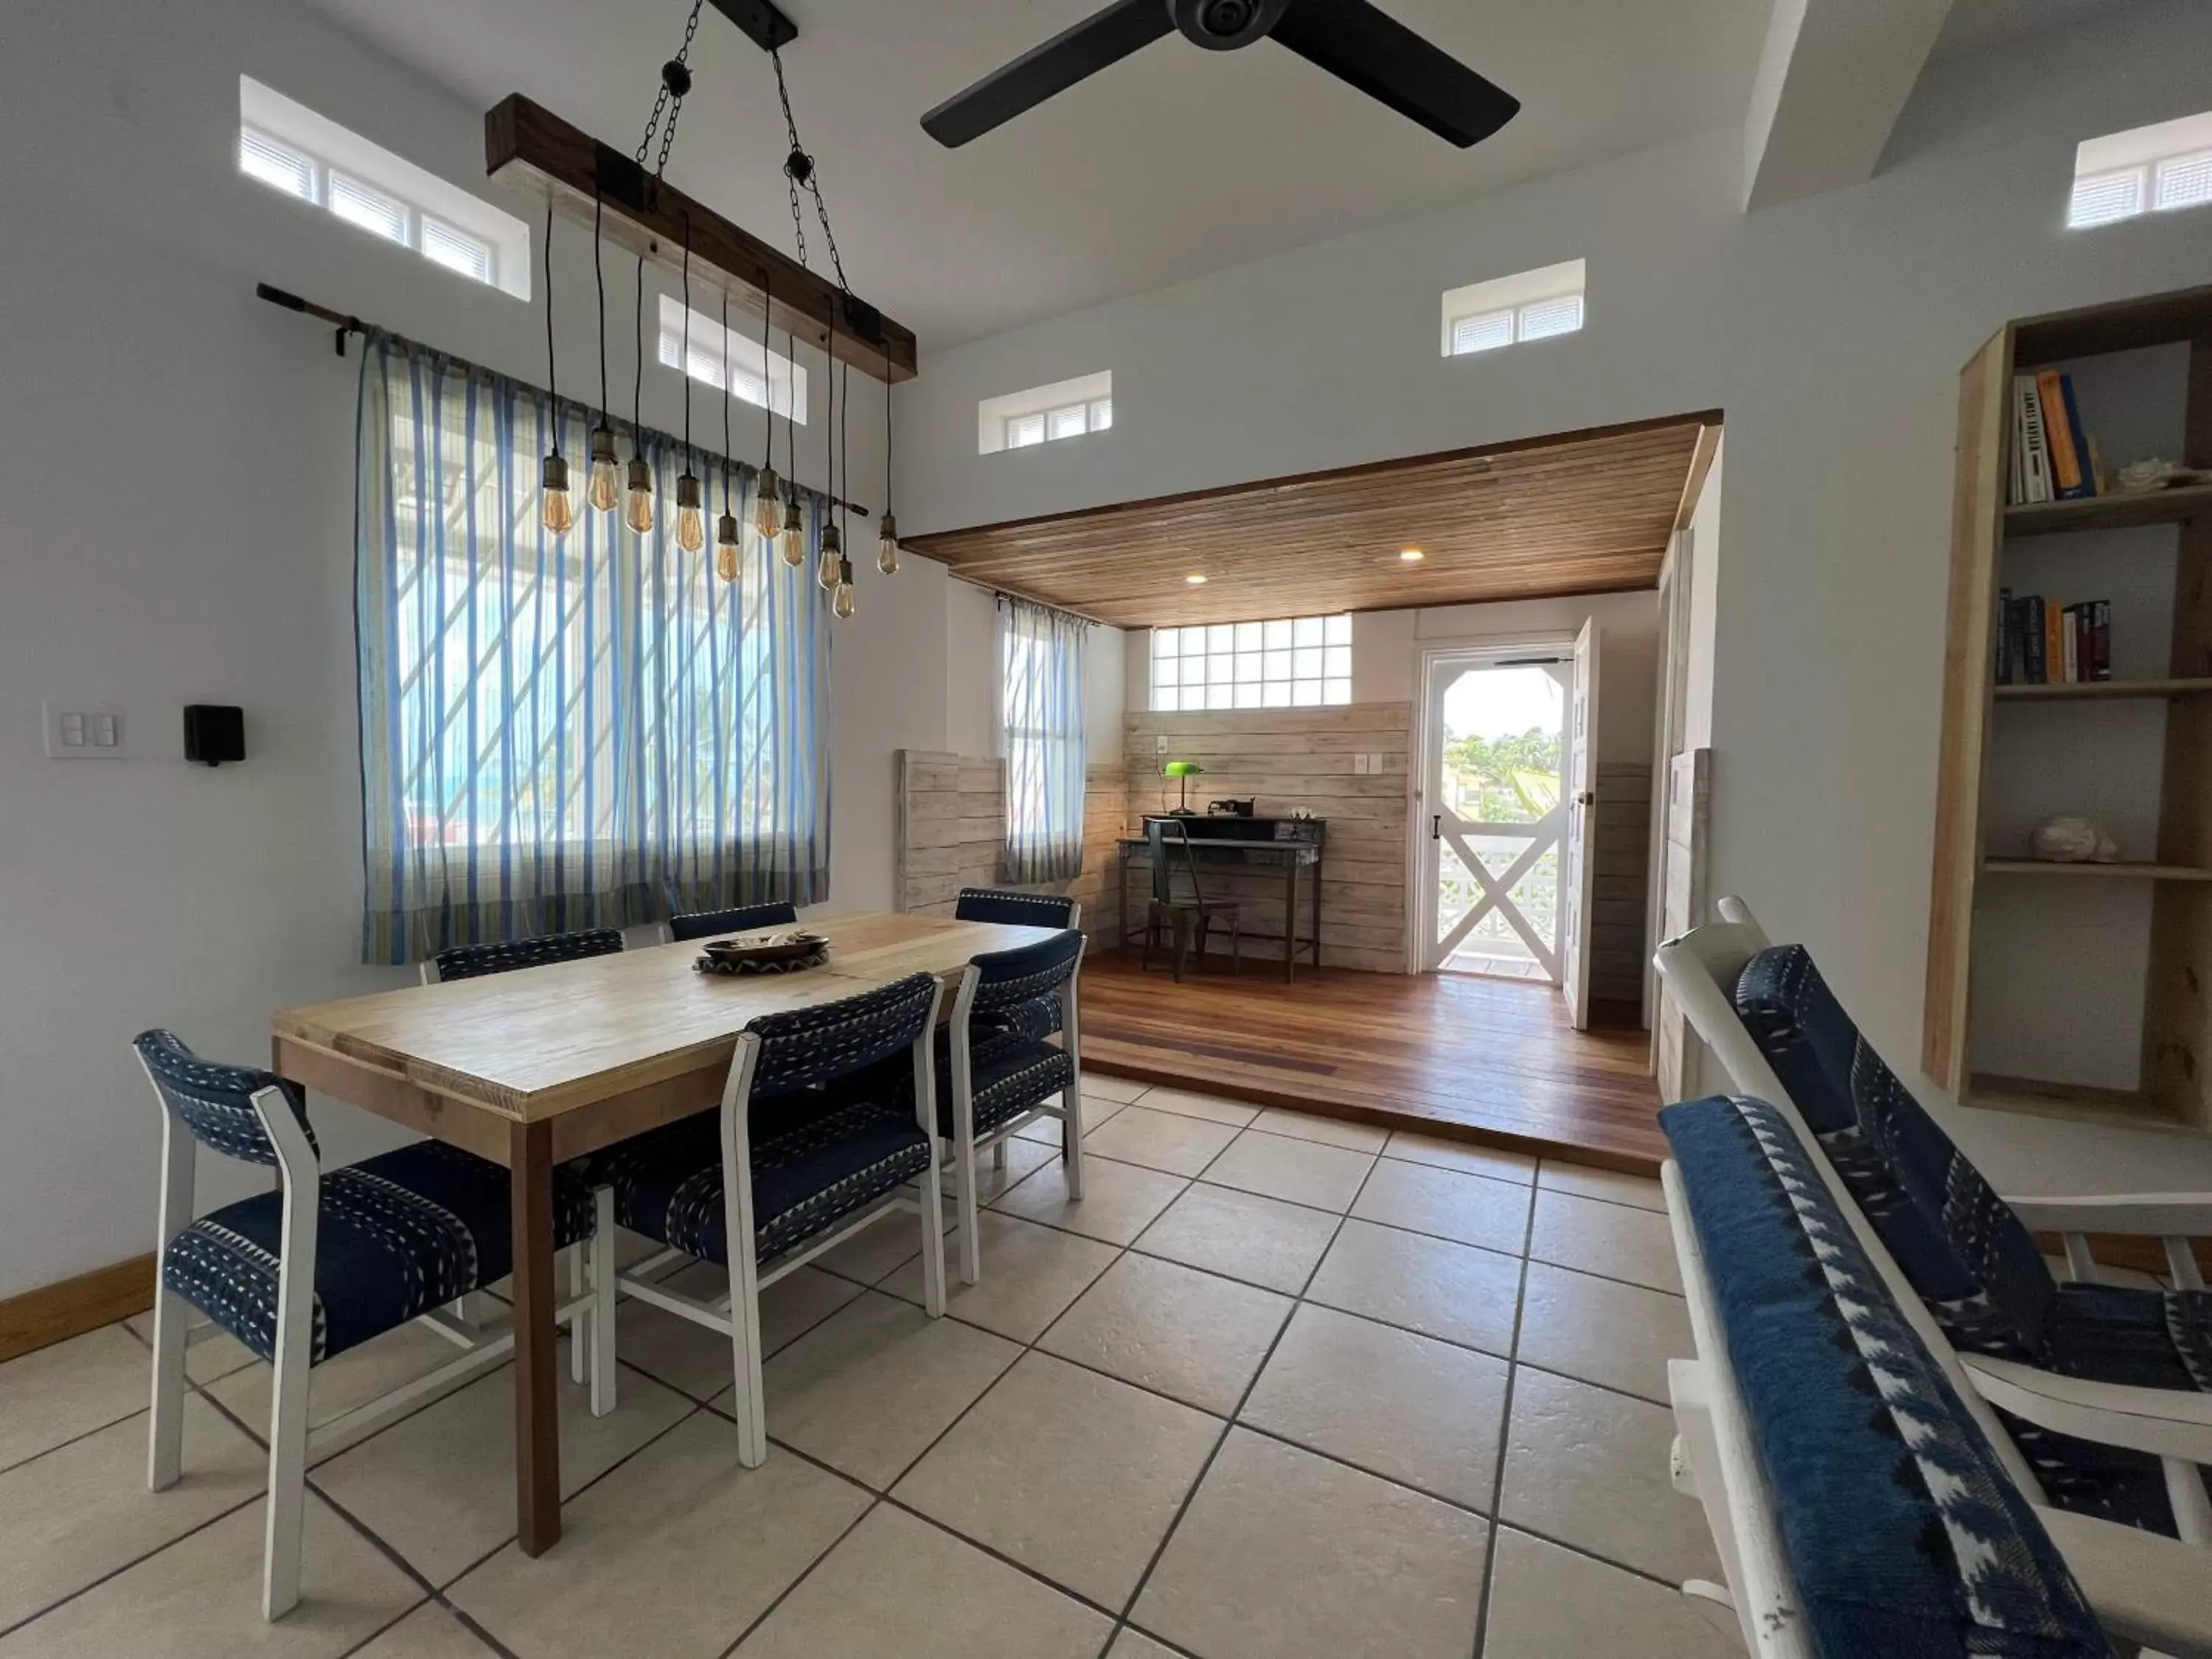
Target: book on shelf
2053,457
2042,642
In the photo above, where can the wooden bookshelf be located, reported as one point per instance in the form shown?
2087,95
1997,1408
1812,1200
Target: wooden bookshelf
2126,512
2139,869
2066,943
2102,690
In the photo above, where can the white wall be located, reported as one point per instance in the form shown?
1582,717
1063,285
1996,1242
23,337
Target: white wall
1704,607
176,457
1831,330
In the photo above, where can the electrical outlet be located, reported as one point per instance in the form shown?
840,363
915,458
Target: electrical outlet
1359,765
81,733
1160,744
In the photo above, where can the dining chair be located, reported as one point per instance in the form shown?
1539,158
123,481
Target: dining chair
1856,1506
1186,914
799,1159
461,962
995,1079
329,1260
505,955
1035,1020
2105,1391
743,918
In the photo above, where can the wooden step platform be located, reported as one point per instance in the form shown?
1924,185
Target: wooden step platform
1471,1059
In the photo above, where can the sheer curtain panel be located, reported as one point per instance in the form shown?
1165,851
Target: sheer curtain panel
1041,737
566,731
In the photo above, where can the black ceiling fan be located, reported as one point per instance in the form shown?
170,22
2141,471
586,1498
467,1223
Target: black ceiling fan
1350,38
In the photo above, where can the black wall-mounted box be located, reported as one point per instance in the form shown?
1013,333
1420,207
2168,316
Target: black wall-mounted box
214,732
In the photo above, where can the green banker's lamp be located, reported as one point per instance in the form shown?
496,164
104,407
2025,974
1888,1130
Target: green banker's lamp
1182,772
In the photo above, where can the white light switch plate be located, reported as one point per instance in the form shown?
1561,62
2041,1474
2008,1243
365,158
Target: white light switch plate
77,733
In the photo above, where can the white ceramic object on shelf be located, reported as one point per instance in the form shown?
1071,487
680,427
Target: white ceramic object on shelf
2070,839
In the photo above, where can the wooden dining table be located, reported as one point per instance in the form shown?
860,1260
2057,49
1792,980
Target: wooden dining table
531,1068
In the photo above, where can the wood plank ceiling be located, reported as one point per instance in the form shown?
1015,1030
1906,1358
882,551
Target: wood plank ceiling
1575,512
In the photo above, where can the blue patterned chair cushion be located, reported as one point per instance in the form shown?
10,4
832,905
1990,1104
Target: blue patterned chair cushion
397,1235
505,955
1005,1080
216,1103
1961,1247
713,924
814,1162
1905,1535
1025,1022
1006,905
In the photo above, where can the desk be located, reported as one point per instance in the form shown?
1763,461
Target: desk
1293,858
534,1068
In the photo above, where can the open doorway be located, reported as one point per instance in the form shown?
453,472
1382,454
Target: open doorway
1496,742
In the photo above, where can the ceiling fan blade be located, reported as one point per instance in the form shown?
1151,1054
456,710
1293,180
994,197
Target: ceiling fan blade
1100,40
1392,64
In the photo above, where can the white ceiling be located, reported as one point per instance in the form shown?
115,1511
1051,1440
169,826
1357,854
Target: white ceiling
1974,24
1174,162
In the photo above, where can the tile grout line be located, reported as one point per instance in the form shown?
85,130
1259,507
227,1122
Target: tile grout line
1182,1509
1504,1447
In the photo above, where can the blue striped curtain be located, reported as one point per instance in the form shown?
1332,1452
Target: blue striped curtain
1041,737
575,732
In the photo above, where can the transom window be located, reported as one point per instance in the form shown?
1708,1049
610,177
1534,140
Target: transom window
2153,169
749,371
1069,421
289,148
1534,305
1296,662
1045,414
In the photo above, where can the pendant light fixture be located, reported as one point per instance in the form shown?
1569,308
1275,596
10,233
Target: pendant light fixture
637,514
792,543
557,512
830,560
767,489
605,489
726,532
841,597
887,541
690,509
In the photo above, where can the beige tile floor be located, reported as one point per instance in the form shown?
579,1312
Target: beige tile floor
1276,1388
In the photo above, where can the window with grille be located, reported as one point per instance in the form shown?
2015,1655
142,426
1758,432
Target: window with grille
730,362
1534,305
2156,169
1295,662
1045,414
289,148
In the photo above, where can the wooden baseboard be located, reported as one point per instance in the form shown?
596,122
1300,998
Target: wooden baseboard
54,1312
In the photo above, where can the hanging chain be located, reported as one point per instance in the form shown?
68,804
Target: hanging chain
675,82
799,168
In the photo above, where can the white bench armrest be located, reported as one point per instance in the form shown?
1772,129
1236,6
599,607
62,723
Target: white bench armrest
2156,1215
2163,1422
2142,1586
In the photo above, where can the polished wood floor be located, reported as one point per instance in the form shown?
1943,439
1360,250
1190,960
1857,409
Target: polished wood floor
1486,1060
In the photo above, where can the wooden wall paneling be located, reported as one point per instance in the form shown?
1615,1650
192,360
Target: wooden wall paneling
1976,539
2178,1013
1619,911
1290,760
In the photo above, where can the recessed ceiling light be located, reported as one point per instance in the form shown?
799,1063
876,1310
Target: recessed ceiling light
1412,555
1196,579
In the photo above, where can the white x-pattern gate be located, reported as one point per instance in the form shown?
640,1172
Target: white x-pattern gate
1496,891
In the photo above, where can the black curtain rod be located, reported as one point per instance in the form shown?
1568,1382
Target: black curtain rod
345,323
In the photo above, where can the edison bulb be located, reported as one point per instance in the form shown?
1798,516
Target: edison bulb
607,478
638,515
767,509
559,513
841,603
691,517
887,546
725,548
827,570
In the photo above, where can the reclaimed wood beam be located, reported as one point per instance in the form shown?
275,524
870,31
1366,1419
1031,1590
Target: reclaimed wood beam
530,151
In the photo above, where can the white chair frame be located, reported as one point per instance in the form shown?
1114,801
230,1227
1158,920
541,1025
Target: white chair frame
964,1143
2144,1589
1700,969
736,1316
292,1443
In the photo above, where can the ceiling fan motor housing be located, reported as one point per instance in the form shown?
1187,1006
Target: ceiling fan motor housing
1225,25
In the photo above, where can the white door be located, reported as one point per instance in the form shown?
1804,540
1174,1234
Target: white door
1581,827
1495,734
